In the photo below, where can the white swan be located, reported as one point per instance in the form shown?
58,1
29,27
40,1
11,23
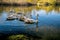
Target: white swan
22,18
30,21
11,16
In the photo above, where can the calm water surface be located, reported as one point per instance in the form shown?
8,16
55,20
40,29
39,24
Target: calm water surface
48,21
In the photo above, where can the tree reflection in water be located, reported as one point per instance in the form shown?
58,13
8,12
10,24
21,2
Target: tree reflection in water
35,31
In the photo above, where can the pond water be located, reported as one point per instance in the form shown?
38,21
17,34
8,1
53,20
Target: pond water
48,21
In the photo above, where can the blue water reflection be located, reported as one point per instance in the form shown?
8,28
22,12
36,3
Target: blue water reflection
45,20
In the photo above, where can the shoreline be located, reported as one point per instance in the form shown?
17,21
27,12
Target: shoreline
16,4
26,4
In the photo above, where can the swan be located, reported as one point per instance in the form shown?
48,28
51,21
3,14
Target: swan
12,15
30,21
22,18
10,18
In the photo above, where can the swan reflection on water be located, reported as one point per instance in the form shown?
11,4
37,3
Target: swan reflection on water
48,24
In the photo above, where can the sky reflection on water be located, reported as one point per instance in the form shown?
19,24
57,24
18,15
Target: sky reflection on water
47,21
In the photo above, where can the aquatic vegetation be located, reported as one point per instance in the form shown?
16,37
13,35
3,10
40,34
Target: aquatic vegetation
17,37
